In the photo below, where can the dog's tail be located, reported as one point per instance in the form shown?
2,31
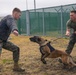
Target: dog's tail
70,60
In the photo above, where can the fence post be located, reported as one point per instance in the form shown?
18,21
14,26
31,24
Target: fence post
61,21
27,23
19,26
43,22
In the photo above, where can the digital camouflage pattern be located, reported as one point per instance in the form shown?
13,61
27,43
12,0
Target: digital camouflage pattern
71,25
11,47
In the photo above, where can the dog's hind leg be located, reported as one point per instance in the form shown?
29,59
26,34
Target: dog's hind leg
70,60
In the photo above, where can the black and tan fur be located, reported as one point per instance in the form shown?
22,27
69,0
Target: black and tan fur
46,53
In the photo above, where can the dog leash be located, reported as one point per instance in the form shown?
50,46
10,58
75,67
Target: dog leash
56,39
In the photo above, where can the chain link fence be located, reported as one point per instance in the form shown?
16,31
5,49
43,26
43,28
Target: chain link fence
49,21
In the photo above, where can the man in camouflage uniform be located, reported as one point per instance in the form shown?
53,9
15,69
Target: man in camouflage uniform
71,24
8,25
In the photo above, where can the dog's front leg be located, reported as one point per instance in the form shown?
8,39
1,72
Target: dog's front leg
43,60
43,57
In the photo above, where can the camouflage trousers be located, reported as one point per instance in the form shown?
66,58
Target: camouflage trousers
10,47
71,44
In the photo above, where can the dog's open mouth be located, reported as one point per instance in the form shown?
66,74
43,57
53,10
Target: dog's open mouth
32,39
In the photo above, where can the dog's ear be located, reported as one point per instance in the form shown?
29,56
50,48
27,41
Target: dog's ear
45,40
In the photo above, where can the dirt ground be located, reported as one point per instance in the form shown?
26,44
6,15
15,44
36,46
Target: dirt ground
30,58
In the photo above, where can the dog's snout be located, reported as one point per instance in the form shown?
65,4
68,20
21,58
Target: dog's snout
35,39
30,39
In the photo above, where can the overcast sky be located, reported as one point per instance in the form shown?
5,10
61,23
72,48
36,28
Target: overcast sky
6,6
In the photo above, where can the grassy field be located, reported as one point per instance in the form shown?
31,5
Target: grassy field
30,58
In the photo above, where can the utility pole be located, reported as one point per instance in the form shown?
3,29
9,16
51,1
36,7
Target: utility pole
26,5
34,4
27,20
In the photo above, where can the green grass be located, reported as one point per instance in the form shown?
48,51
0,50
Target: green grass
6,61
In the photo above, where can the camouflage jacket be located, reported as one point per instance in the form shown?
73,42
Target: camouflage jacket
70,24
7,25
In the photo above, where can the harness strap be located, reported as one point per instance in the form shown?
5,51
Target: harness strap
50,47
41,50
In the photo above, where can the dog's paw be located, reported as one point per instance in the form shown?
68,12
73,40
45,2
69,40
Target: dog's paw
60,61
43,60
44,63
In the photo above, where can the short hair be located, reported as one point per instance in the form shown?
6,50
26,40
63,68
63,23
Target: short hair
16,10
73,11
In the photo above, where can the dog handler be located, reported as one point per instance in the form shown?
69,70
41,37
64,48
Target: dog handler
71,24
8,25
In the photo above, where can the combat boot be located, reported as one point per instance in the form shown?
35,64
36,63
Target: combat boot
17,68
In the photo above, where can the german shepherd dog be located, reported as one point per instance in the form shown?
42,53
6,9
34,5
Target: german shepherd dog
47,51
